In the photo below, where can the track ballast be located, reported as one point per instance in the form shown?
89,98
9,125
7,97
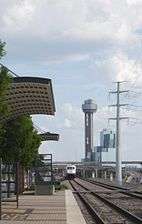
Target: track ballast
105,206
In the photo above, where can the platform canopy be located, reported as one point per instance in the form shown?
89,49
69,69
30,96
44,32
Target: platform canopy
29,96
47,136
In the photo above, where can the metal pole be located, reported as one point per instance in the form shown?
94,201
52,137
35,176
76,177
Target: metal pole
51,169
0,189
17,183
118,118
8,181
86,122
118,150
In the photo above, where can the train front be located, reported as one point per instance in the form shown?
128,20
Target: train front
70,171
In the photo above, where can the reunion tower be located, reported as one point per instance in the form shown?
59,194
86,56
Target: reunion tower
89,108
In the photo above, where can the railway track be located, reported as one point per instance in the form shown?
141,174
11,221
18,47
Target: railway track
102,209
126,191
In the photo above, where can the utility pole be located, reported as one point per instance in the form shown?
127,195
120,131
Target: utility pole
117,119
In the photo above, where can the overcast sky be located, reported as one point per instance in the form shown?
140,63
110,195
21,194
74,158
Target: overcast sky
83,46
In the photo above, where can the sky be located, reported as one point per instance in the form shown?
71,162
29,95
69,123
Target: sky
84,46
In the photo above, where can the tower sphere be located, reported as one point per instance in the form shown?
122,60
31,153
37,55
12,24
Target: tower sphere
89,106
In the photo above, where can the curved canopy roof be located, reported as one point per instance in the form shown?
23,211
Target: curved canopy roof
29,96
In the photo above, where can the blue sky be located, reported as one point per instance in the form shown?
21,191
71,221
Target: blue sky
83,46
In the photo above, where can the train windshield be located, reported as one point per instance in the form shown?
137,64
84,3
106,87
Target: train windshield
70,168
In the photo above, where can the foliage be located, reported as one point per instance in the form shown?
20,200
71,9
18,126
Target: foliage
5,82
2,51
21,141
38,161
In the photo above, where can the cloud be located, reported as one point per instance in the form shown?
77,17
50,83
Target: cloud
67,123
73,116
117,67
86,45
18,16
56,31
126,68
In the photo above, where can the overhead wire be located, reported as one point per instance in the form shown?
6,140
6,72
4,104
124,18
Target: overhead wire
9,70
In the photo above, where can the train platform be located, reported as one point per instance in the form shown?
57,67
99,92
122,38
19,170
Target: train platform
60,208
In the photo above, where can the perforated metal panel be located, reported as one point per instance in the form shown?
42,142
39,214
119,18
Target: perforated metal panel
29,96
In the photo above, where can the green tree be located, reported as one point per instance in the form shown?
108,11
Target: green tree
21,141
2,51
5,82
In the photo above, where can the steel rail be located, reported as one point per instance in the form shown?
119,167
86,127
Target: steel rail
122,190
89,207
119,209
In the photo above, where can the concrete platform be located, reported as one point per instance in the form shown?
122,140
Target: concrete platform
73,212
60,208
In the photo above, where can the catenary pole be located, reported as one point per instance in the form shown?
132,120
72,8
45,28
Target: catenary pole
118,148
118,139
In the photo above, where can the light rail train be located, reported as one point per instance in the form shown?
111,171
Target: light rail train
70,171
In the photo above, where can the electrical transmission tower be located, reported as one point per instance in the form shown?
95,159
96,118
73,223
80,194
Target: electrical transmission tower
118,105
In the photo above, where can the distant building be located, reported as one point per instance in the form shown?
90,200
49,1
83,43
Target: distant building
107,139
106,151
97,154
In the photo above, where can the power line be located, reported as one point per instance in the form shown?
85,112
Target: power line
118,105
9,70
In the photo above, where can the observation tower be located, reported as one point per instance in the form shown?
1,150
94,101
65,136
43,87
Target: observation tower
89,108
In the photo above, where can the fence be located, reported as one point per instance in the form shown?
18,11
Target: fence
9,183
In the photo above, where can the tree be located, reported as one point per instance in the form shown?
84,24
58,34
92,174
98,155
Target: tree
5,82
2,51
21,141
18,139
38,161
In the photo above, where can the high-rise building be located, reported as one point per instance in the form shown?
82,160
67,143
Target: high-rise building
107,139
106,151
89,108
